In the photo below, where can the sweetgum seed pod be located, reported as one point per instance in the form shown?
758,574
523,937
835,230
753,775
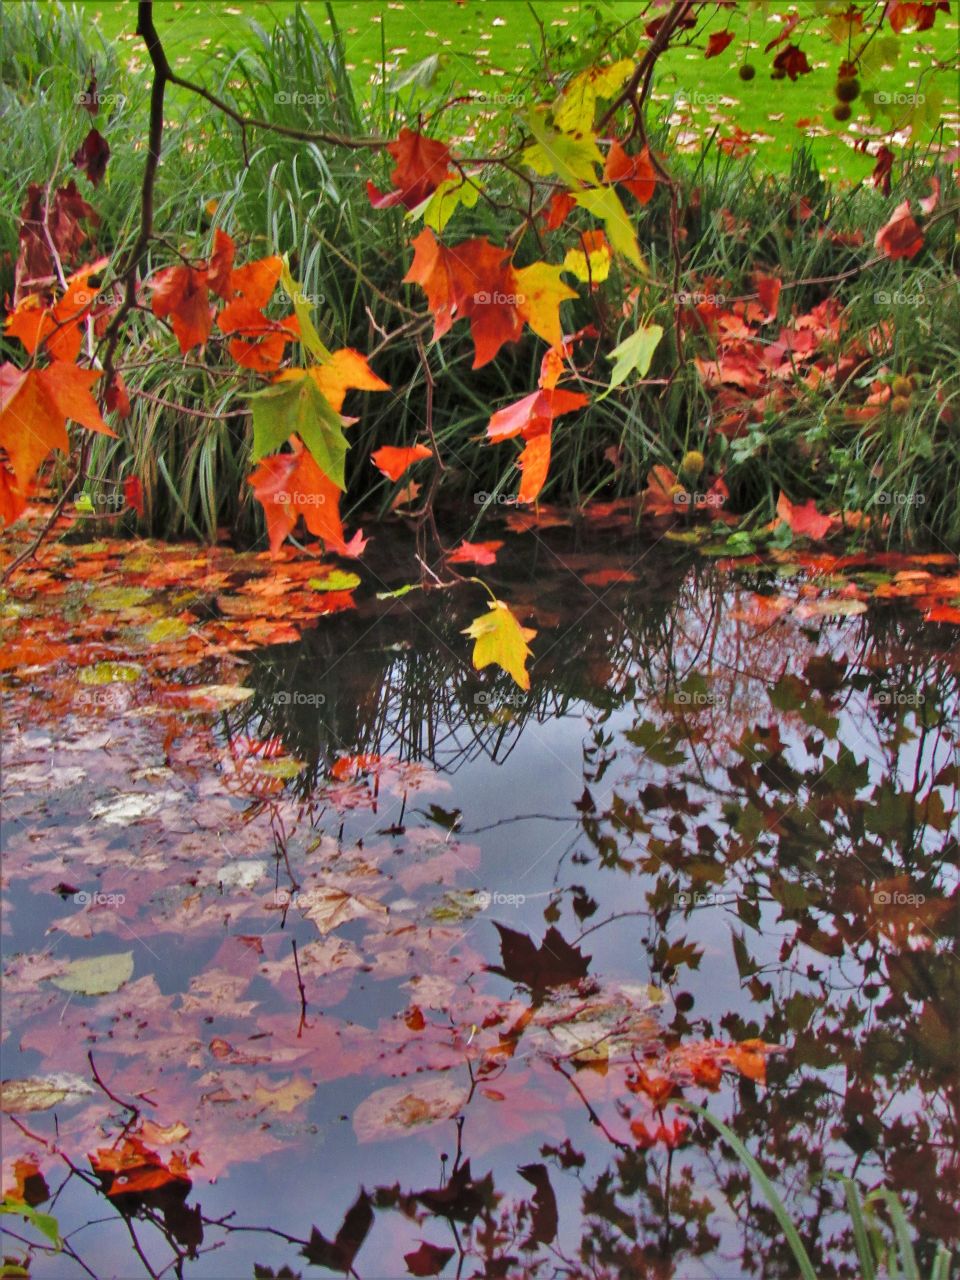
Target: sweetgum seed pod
747,71
847,90
841,111
902,386
900,404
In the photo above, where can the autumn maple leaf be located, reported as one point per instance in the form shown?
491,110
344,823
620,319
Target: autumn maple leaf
35,405
636,173
717,43
502,640
291,485
180,293
422,164
57,325
793,61
900,237
805,521
393,462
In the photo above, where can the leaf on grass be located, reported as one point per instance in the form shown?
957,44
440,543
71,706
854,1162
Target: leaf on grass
98,975
900,237
502,640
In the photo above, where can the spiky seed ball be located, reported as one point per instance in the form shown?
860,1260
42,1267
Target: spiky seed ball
900,404
747,71
902,386
847,90
841,112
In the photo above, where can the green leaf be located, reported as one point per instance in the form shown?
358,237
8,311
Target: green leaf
298,405
98,975
309,338
45,1223
167,629
634,354
336,580
400,591
570,158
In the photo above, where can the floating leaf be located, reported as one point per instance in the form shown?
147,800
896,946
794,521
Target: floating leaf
502,640
98,975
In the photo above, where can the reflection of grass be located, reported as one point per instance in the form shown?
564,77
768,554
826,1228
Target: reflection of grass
879,1256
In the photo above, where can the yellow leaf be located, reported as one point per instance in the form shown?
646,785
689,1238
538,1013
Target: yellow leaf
590,261
500,639
440,207
575,109
553,152
542,291
286,1098
604,203
302,306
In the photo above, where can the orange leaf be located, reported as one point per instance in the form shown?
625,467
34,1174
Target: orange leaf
220,270
256,281
181,294
636,173
291,485
393,462
658,497
34,407
561,203
345,370
805,521
534,463
422,164
527,416
12,502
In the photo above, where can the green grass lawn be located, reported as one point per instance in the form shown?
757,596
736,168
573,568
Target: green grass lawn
490,44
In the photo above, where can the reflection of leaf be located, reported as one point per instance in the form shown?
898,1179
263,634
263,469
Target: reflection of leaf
45,1223
552,964
329,907
397,1109
338,1254
543,1228
98,975
39,1093
428,1260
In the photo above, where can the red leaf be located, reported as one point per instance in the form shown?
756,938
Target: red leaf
393,462
882,169
220,270
92,156
793,61
768,291
561,203
133,494
117,398
900,237
475,553
428,1260
717,43
422,164
291,485
805,521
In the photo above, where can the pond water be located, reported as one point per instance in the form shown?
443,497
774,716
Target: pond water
409,971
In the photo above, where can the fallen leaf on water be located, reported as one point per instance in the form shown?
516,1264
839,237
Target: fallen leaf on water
392,1112
329,908
39,1093
502,640
97,975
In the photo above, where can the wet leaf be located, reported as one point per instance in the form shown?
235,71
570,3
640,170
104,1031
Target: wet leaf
97,975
